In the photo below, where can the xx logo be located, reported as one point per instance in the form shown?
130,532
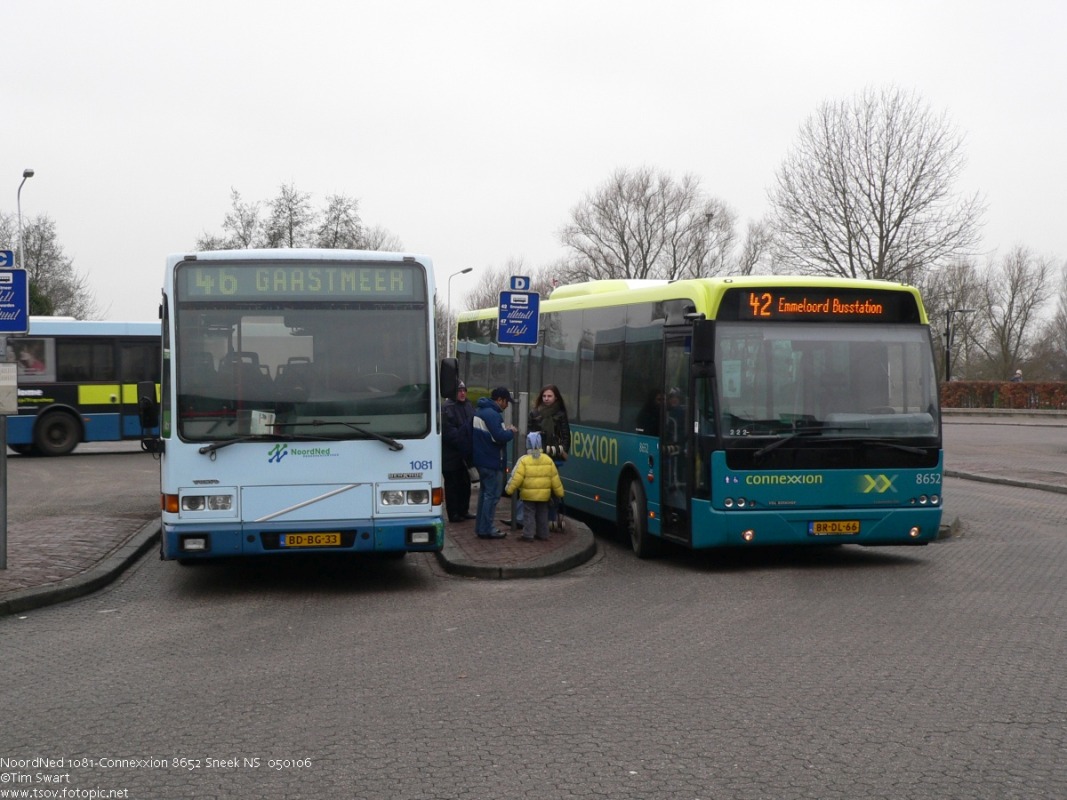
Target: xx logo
878,483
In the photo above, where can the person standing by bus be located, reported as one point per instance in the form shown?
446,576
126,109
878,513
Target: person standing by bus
549,418
457,451
491,437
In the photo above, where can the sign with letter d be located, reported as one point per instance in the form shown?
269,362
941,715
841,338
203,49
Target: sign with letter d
14,301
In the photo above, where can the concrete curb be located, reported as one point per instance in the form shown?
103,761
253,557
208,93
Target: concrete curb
577,551
1041,487
96,577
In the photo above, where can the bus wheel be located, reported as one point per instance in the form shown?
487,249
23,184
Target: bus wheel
635,522
56,434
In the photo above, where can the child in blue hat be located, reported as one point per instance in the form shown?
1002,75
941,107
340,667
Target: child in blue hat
536,479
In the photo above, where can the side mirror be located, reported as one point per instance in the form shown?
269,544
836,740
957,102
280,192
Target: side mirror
147,406
148,411
703,342
449,380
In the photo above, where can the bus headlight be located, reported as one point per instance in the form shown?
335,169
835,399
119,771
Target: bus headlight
392,497
412,497
207,502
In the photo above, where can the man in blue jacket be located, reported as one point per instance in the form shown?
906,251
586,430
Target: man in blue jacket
491,437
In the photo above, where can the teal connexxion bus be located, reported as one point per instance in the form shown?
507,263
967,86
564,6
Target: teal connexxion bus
739,412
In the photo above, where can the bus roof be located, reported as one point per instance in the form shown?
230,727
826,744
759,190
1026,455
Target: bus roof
68,326
295,254
706,293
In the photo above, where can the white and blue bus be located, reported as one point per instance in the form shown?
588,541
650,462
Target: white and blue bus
299,404
77,382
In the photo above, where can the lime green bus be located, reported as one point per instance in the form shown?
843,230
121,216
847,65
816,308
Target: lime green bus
743,411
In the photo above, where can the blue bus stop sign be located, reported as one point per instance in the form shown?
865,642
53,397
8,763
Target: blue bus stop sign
518,318
14,301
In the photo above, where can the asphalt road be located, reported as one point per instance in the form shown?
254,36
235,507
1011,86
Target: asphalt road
842,673
98,478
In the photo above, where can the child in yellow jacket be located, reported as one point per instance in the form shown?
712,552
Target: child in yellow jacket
536,478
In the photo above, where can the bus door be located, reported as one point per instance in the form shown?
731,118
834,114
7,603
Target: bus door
675,427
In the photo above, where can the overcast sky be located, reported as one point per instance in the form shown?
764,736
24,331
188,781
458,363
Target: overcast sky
471,129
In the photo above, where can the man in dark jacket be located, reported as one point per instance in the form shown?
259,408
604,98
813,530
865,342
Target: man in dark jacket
457,454
491,437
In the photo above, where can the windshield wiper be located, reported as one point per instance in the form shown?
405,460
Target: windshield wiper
806,431
258,437
356,426
907,448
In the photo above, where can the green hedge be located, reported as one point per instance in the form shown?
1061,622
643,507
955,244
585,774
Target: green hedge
1004,394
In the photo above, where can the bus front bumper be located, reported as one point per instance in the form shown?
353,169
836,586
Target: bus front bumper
208,540
881,527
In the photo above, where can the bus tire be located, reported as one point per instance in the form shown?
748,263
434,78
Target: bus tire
56,434
634,518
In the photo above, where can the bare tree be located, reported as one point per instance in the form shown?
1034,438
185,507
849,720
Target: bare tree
1016,290
294,222
756,249
378,238
953,296
340,226
641,224
867,191
291,220
243,222
1052,342
55,288
242,227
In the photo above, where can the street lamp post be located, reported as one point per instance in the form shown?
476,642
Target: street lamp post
948,339
448,309
26,173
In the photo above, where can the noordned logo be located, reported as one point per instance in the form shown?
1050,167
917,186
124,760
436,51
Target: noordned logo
277,453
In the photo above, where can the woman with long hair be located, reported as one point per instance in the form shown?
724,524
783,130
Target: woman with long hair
549,418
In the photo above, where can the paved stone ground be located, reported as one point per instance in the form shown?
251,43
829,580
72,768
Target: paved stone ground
466,554
509,551
52,549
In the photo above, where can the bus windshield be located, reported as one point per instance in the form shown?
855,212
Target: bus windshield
302,369
839,380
